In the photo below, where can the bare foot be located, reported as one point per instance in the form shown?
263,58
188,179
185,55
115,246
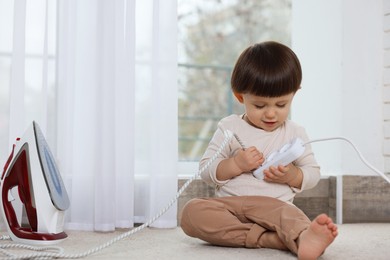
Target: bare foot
313,241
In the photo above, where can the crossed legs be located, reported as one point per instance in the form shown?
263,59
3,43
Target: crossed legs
257,221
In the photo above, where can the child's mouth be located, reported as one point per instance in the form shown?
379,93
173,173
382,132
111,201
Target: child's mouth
270,123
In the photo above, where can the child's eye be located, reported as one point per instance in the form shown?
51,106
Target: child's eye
281,105
259,107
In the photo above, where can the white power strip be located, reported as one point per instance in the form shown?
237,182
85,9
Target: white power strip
293,150
285,155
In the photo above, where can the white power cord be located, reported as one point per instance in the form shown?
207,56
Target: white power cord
357,151
58,251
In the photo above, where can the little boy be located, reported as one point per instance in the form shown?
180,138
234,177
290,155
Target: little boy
251,212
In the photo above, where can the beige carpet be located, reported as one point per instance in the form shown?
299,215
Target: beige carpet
356,241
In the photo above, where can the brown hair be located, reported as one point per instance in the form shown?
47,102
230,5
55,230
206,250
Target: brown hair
268,69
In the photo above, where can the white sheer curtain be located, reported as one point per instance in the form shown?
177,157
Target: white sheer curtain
114,132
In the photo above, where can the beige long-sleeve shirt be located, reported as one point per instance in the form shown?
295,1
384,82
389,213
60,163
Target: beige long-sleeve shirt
266,142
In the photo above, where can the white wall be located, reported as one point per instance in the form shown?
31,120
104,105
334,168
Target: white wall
386,82
340,45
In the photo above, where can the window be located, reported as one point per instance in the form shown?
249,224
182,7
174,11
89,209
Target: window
212,33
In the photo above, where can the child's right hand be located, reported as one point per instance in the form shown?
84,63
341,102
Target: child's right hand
249,159
244,161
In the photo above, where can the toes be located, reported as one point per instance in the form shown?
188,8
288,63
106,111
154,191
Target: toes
323,219
332,226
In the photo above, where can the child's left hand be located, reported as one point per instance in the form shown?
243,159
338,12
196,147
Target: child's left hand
289,174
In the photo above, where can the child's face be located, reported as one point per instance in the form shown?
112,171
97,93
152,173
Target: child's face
267,113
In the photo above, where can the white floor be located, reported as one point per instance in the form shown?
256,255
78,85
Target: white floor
355,241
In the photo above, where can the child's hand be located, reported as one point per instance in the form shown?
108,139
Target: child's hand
289,174
249,159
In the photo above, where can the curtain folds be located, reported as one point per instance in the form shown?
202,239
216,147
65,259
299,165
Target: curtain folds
115,127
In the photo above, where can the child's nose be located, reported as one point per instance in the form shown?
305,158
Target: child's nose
270,113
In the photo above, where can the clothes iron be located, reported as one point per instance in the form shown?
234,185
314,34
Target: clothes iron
33,197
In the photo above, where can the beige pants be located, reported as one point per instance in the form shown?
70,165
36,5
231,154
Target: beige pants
245,221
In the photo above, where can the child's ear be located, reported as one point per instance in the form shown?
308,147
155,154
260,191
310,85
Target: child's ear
239,97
